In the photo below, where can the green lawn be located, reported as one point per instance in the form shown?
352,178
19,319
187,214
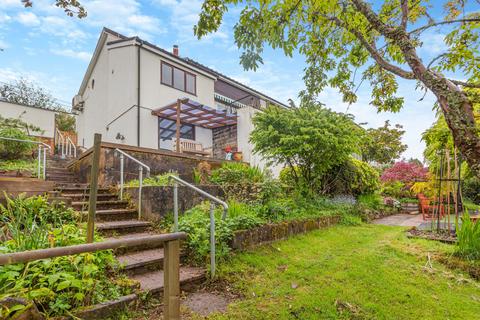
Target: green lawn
362,272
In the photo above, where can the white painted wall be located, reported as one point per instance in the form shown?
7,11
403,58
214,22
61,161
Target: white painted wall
115,91
244,128
44,119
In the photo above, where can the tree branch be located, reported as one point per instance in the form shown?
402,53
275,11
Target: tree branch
430,25
465,84
435,59
375,54
374,20
404,6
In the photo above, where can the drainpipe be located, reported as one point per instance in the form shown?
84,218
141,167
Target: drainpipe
138,92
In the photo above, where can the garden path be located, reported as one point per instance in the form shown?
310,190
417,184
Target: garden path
404,220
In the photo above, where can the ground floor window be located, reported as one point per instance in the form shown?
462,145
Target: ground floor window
167,129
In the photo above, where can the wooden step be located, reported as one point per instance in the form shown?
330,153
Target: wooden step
152,282
114,215
101,204
122,226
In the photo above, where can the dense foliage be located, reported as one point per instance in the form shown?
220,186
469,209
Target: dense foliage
468,235
352,177
65,122
311,139
56,285
382,41
23,91
384,144
14,149
405,172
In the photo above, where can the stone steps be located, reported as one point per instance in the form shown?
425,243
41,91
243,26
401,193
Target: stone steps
152,282
115,215
101,204
66,190
114,219
80,197
122,226
140,262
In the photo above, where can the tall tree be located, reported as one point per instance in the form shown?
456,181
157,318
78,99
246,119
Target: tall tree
384,144
342,37
23,91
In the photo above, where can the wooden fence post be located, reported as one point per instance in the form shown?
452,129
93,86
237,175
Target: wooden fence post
171,283
92,206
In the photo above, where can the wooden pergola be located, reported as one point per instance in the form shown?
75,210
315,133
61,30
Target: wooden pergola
194,113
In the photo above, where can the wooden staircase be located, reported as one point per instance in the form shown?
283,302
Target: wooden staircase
116,219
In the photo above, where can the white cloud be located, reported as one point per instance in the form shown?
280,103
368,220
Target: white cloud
10,3
433,43
28,19
3,45
4,18
184,15
123,16
82,55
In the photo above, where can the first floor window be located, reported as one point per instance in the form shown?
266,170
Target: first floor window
167,130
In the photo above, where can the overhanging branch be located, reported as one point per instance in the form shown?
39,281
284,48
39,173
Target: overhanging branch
431,25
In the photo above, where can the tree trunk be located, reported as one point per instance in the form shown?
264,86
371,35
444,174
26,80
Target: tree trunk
455,105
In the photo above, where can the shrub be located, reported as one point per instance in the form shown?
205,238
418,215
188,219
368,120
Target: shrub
201,174
352,177
405,172
160,180
242,182
468,235
373,201
196,223
55,285
14,149
237,172
65,122
395,189
471,189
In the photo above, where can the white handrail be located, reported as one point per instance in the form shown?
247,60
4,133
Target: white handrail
60,142
40,144
140,177
212,215
72,146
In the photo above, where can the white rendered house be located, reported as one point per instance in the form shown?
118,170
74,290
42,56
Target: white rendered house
138,94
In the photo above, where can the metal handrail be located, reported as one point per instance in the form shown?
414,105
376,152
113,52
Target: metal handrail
40,144
212,215
171,262
140,177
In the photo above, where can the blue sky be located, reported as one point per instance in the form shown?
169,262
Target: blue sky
43,44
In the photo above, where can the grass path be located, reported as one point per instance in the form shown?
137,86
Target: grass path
362,272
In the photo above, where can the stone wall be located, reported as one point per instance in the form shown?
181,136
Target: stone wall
223,137
159,161
245,239
158,201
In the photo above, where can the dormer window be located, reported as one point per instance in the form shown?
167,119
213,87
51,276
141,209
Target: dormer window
177,78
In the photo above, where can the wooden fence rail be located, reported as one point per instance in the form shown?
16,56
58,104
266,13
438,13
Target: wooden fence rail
171,264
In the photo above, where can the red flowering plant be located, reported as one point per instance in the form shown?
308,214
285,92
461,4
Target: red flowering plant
398,179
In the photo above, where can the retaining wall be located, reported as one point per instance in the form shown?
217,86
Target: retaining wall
245,239
159,161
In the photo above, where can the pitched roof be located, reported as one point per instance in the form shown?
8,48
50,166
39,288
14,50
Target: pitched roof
188,61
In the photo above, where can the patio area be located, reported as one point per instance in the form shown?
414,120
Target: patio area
186,126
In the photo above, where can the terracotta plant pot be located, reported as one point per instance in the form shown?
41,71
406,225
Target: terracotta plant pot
238,156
